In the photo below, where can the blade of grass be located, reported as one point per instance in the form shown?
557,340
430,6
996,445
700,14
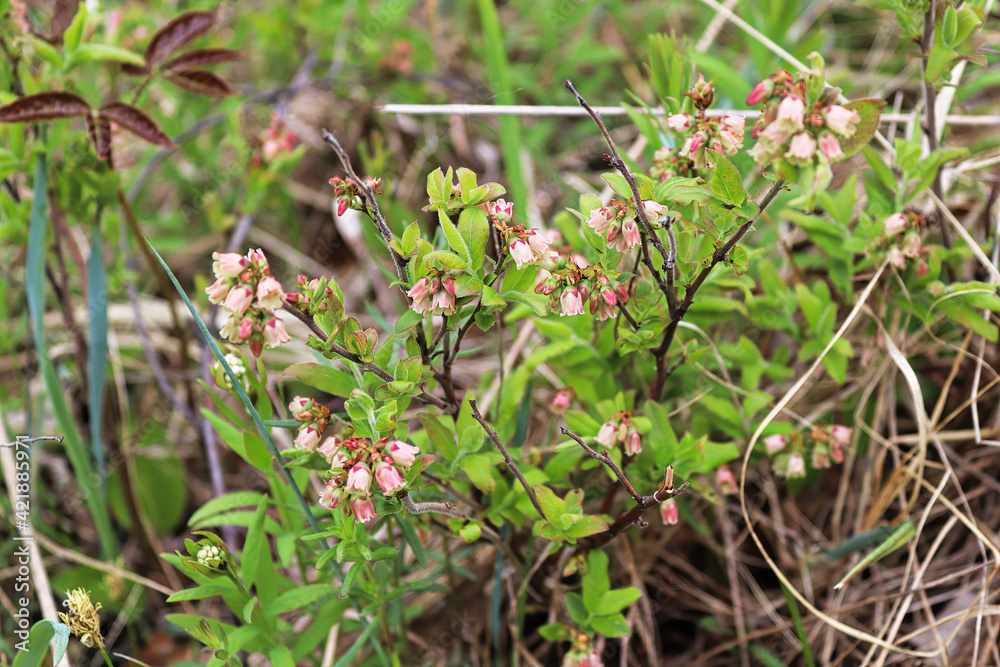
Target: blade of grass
800,628
97,354
247,403
75,448
510,126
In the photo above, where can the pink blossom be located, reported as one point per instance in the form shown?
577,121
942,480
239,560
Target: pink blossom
560,403
329,447
299,405
571,302
246,328
830,147
653,209
679,122
230,330
922,269
606,436
388,478
796,465
599,220
228,264
421,293
725,480
307,438
274,333
342,204
775,443
802,147
269,293
258,259
500,209
842,121
633,443
820,457
402,453
363,510
332,495
521,252
669,512
694,142
894,224
841,434
359,478
896,257
239,299
539,244
761,92
218,290
735,122
630,233
768,143
602,309
836,452
793,110
443,303
731,141
609,296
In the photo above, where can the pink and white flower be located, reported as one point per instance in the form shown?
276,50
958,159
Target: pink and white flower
218,291
802,148
606,436
388,478
330,447
793,110
521,252
725,480
238,300
829,145
402,453
228,264
679,122
600,219
275,333
841,434
796,465
500,209
669,512
633,443
332,495
571,302
630,233
269,293
307,438
359,478
560,402
363,510
841,120
422,293
761,92
894,224
775,443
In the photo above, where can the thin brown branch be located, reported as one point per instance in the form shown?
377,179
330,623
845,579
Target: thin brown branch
720,254
634,515
606,460
506,456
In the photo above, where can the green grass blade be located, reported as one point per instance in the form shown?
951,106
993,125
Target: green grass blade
510,126
97,353
902,534
800,628
247,403
76,450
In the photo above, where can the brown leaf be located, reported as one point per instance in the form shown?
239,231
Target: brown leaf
135,70
136,122
201,82
44,106
99,130
176,34
202,58
63,13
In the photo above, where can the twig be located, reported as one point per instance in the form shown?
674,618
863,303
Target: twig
38,438
606,460
424,508
628,315
634,515
668,267
668,336
506,456
372,368
619,164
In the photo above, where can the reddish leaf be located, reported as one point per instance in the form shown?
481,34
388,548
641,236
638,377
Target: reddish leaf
63,13
201,82
44,106
136,122
176,34
99,130
135,70
202,58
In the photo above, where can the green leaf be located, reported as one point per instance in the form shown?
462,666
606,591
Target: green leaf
491,298
103,53
480,471
618,183
614,601
587,525
409,319
611,626
73,34
533,301
455,239
409,240
299,597
323,377
467,181
37,646
938,60
440,436
214,589
727,183
577,611
949,27
869,109
552,505
225,503
474,228
595,581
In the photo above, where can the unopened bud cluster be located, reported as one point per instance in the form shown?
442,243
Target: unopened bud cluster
354,463
239,370
902,242
312,419
617,222
246,289
571,288
824,447
526,246
348,193
621,429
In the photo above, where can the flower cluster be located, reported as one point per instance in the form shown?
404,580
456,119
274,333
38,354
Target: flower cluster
526,246
902,241
434,294
583,653
794,130
354,462
617,222
279,139
703,136
826,448
312,419
619,427
238,367
347,192
82,618
570,288
245,287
